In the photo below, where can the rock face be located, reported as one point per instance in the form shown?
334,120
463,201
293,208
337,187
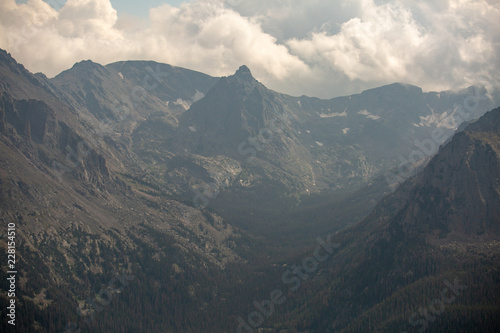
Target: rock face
29,118
233,110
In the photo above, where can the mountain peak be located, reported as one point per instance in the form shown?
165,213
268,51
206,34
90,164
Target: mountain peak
7,60
86,64
243,72
83,69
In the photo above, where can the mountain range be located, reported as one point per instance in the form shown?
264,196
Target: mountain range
199,193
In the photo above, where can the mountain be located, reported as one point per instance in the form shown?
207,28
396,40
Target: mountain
148,197
278,145
426,258
82,217
240,118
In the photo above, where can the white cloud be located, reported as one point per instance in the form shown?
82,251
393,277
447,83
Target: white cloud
376,47
453,45
88,18
317,47
209,37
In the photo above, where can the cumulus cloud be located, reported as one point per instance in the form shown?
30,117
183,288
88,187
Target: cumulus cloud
89,18
50,41
437,45
315,47
376,46
209,37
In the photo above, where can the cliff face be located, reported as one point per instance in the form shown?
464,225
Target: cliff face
29,118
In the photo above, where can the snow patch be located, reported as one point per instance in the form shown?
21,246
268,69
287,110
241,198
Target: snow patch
346,130
197,96
368,115
185,104
332,115
444,120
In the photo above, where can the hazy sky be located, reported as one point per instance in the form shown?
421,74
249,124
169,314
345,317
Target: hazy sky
321,48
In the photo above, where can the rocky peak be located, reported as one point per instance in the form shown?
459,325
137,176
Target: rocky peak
243,79
10,64
244,73
86,64
83,69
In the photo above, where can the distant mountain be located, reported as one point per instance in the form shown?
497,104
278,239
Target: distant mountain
427,257
307,144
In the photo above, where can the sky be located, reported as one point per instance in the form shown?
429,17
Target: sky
322,48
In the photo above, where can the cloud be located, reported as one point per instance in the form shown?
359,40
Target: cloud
204,36
435,45
285,19
89,18
375,47
209,37
317,47
50,41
